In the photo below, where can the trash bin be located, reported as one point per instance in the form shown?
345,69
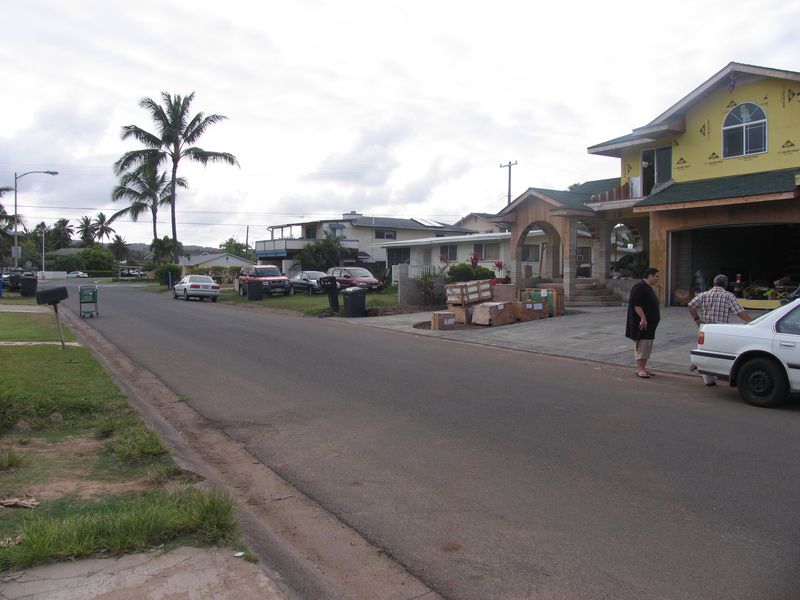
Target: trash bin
28,286
355,302
255,290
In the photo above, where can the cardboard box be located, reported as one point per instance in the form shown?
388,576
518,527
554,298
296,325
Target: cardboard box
493,313
463,314
530,311
504,292
470,292
442,319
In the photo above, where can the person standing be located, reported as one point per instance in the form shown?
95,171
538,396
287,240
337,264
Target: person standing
643,317
716,306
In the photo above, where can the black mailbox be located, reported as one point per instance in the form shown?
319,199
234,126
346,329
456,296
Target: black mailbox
52,295
327,283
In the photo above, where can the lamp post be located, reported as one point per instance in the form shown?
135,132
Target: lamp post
16,214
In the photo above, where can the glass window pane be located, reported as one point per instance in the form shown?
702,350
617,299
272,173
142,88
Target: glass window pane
732,142
756,138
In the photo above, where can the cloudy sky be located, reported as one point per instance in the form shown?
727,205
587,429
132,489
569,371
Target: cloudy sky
385,107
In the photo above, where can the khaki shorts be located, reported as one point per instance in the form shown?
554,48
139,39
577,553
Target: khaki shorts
643,349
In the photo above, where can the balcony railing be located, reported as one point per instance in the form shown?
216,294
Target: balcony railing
621,193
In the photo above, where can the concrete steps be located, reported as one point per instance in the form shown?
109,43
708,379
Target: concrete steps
591,292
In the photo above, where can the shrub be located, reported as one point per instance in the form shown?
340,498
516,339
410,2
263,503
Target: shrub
461,272
162,274
483,273
69,262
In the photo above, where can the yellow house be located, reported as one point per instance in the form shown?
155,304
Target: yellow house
710,185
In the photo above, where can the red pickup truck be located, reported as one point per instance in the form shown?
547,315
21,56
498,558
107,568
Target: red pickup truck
270,276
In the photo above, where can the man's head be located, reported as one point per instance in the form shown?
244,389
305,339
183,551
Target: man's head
721,281
650,275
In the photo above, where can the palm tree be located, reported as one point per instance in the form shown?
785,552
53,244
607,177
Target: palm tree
87,231
102,227
61,234
177,134
146,189
119,248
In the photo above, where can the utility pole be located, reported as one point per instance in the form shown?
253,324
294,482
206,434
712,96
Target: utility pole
509,165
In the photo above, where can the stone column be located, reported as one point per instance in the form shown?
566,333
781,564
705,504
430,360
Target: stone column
570,258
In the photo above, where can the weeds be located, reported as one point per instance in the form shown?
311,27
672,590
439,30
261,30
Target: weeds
10,459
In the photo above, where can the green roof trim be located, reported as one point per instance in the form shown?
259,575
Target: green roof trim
737,186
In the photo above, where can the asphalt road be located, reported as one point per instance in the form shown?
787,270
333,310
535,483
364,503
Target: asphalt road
488,473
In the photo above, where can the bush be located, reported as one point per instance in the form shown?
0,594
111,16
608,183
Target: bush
460,272
98,259
69,263
484,273
162,274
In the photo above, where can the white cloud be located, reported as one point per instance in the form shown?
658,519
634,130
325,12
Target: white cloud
388,108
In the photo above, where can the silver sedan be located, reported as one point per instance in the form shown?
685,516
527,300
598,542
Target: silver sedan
196,286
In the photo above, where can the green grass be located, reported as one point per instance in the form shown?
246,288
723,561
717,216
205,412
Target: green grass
105,481
32,327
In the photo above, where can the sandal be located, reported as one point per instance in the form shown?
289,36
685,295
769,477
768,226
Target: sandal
642,375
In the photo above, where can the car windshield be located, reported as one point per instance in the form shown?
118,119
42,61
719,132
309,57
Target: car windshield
360,273
272,272
316,274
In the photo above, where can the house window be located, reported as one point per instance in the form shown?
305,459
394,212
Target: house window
448,252
744,131
426,256
530,253
385,234
584,254
656,167
487,251
311,232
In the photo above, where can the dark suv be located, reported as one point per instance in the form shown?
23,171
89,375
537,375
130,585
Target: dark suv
270,276
355,277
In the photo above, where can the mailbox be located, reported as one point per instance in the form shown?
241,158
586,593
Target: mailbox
52,295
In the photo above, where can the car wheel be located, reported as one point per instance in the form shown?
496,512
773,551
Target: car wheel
213,298
174,294
289,292
186,296
762,383
241,290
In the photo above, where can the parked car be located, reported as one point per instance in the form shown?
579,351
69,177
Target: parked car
76,274
759,358
355,277
196,286
306,282
270,276
129,272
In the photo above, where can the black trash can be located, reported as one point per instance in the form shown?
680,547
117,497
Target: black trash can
255,290
28,286
355,302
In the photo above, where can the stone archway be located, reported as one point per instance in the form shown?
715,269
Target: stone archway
549,252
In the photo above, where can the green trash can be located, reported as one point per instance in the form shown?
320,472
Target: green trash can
355,302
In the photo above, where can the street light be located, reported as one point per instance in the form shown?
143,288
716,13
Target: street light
16,214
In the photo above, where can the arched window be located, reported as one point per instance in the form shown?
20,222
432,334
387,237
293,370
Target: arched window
744,131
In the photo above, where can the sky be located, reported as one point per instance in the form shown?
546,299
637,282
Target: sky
389,108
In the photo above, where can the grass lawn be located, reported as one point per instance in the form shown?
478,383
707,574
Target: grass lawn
310,305
81,473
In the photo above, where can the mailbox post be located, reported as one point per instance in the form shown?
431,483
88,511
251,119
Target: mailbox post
52,297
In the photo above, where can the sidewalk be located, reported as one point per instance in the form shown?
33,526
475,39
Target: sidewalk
595,334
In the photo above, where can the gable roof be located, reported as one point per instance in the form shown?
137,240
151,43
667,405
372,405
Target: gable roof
769,183
673,120
570,200
220,258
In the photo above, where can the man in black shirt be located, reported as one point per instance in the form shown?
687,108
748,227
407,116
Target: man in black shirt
643,317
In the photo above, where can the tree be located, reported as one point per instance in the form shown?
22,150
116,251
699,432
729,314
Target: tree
164,247
322,254
61,234
102,227
98,259
119,248
177,134
87,231
234,246
69,262
146,189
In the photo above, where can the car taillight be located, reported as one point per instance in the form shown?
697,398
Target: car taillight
214,287
701,337
194,286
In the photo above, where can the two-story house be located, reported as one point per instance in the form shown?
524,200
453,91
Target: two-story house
709,185
359,234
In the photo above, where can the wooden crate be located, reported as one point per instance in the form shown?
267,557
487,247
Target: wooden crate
530,311
463,314
469,292
442,320
554,297
493,313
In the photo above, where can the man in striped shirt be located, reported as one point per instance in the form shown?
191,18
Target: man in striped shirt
716,306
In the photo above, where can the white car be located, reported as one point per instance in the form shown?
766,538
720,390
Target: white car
196,286
761,358
72,274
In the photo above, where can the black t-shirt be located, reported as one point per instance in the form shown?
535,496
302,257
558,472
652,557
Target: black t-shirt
642,294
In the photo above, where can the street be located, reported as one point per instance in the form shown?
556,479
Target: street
489,473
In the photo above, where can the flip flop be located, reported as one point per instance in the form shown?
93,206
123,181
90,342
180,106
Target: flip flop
642,375
650,373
